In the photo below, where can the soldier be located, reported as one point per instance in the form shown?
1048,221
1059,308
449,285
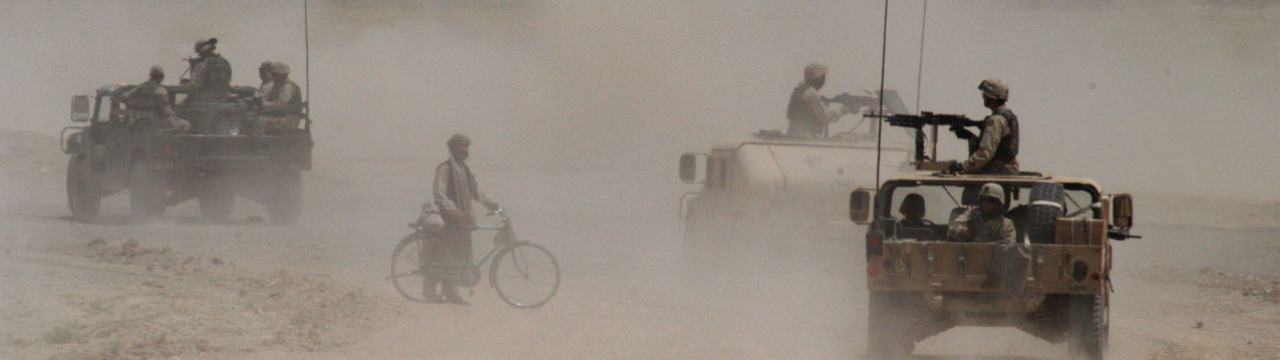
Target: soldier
454,189
912,210
282,104
210,73
995,151
150,101
807,115
264,74
986,222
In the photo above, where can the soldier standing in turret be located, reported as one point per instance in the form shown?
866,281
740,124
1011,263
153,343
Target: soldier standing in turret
210,73
995,151
807,114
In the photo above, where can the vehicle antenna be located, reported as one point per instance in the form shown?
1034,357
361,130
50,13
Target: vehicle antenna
306,39
933,136
884,43
920,71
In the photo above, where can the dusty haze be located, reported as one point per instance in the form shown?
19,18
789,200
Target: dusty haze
1169,96
580,109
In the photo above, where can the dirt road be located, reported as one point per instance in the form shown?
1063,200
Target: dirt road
183,288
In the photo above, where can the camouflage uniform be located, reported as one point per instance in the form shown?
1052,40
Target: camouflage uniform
150,102
210,74
975,225
996,149
281,106
806,113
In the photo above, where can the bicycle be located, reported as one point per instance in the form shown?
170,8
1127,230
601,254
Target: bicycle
524,274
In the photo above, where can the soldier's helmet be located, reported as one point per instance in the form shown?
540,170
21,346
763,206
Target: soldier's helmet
279,68
995,89
212,43
992,190
266,65
156,71
814,71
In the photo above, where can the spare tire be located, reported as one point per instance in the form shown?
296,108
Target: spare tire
1048,203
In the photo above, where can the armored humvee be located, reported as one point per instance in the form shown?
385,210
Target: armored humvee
213,162
1054,282
773,191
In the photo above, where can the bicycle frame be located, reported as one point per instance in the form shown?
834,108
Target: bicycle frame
504,235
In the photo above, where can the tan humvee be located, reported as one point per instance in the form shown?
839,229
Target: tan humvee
921,283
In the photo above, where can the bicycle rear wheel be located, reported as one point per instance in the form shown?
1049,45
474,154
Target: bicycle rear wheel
525,275
406,268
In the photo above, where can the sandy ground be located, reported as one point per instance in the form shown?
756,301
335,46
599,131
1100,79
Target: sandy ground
1201,285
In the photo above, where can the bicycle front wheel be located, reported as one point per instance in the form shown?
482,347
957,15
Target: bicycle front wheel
406,269
525,275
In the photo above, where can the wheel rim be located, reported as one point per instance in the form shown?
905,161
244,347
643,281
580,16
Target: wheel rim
525,276
406,269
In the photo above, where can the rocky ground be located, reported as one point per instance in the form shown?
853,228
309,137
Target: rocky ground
1200,285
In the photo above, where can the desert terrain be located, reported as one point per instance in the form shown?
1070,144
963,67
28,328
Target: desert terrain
579,112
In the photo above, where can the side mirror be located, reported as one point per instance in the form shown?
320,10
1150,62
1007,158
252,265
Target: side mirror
81,108
860,206
689,168
1122,211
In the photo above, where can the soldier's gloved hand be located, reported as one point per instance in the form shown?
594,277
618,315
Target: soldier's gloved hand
956,167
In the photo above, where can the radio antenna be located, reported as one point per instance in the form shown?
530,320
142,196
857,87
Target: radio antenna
884,43
306,39
920,71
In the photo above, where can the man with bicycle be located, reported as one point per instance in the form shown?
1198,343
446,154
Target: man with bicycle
454,189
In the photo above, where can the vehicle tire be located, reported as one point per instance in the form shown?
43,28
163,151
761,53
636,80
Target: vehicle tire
407,264
216,202
148,192
84,201
1088,326
525,275
889,333
285,203
1048,203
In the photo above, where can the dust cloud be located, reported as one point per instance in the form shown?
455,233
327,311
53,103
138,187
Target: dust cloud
580,109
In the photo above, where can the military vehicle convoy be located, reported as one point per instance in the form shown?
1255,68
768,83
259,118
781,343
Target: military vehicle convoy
1055,283
774,190
213,162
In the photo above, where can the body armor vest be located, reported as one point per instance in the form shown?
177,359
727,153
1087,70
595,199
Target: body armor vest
1007,151
217,73
143,101
797,110
295,100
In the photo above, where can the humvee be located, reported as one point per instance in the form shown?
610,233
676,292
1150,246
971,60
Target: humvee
773,186
1054,283
213,162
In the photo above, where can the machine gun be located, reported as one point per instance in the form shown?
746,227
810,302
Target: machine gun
957,124
853,102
